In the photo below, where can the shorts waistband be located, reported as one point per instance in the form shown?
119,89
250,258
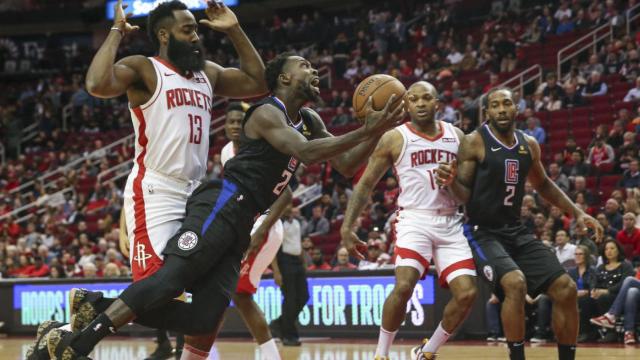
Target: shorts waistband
434,212
188,185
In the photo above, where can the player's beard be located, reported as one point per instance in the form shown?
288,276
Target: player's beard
182,54
501,128
308,93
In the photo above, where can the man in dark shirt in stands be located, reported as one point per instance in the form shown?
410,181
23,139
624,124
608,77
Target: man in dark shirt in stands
631,176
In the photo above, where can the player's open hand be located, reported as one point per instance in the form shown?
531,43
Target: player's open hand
377,122
219,17
446,172
583,220
352,243
120,19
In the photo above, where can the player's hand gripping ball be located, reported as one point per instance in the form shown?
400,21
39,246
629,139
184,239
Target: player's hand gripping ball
379,87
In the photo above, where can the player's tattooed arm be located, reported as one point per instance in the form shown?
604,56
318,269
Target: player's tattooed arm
552,193
459,175
275,212
380,161
350,161
248,81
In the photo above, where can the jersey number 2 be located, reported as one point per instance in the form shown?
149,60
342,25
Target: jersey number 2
511,192
286,174
195,127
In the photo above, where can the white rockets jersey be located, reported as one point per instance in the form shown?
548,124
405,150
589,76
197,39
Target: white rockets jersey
172,128
416,165
227,153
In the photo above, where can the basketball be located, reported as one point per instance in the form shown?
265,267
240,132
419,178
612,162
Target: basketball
380,87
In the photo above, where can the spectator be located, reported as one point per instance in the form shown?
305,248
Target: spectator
558,177
593,66
342,261
564,11
595,86
629,236
584,275
601,156
609,277
317,261
564,249
374,250
566,25
626,303
57,272
577,167
342,117
38,269
89,270
111,270
612,211
615,137
318,225
631,176
634,93
533,129
609,231
572,97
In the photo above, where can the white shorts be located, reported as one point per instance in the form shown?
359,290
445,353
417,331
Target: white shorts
422,236
252,268
154,207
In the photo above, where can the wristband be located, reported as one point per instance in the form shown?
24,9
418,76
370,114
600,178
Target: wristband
118,30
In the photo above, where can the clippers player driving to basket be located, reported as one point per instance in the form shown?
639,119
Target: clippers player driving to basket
266,238
428,222
495,161
204,256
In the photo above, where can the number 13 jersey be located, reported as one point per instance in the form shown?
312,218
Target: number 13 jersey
498,188
260,168
416,165
172,128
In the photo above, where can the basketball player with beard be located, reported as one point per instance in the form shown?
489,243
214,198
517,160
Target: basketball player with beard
204,256
170,97
495,161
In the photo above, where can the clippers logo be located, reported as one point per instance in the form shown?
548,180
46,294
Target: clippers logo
141,256
488,272
188,241
293,164
511,167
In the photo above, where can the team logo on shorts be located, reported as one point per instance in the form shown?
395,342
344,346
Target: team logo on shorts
488,272
187,241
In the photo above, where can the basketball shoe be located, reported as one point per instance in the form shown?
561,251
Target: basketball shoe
418,354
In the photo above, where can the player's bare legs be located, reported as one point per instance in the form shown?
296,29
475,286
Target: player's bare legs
463,289
564,316
253,317
394,310
395,306
514,287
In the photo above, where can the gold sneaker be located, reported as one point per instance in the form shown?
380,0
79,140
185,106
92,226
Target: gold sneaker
418,354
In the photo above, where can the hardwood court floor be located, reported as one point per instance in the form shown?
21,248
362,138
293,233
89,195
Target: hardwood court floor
328,349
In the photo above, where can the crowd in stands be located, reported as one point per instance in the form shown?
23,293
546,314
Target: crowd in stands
77,232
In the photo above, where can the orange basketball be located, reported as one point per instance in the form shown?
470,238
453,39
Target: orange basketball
380,87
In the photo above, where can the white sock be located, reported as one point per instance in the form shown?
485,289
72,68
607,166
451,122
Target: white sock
385,339
439,337
191,353
269,351
65,327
